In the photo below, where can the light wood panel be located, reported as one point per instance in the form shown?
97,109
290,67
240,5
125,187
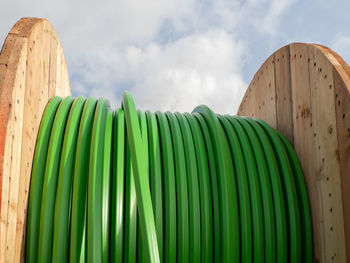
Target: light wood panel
32,70
284,108
313,110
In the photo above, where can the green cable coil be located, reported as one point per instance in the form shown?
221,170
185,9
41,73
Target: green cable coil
133,186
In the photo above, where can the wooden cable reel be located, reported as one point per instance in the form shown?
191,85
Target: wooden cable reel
302,90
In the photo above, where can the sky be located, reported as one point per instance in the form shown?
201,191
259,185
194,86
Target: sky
177,54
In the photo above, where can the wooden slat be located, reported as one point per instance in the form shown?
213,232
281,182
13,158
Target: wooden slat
248,100
37,97
259,100
7,70
15,127
284,105
304,134
266,93
63,86
246,107
12,59
257,93
341,80
327,158
342,98
54,53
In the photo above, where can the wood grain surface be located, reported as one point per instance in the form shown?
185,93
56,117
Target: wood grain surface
32,70
312,108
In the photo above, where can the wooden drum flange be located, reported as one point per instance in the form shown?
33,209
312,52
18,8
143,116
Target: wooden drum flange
303,91
32,70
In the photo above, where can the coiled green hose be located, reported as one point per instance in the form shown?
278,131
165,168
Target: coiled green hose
127,186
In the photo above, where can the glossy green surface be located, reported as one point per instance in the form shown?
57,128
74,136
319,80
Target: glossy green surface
37,179
243,190
95,184
155,172
305,214
204,185
169,190
134,186
50,182
118,182
267,165
255,193
214,186
184,209
64,186
79,192
106,185
288,183
227,187
140,166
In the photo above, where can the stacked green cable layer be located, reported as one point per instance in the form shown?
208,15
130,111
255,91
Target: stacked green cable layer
127,186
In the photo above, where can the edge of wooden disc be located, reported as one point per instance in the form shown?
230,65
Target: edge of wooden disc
303,90
32,70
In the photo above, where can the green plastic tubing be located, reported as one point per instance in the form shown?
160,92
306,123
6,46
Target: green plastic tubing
134,186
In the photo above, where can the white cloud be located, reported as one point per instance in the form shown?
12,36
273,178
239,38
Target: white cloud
172,55
83,25
270,21
197,69
200,64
